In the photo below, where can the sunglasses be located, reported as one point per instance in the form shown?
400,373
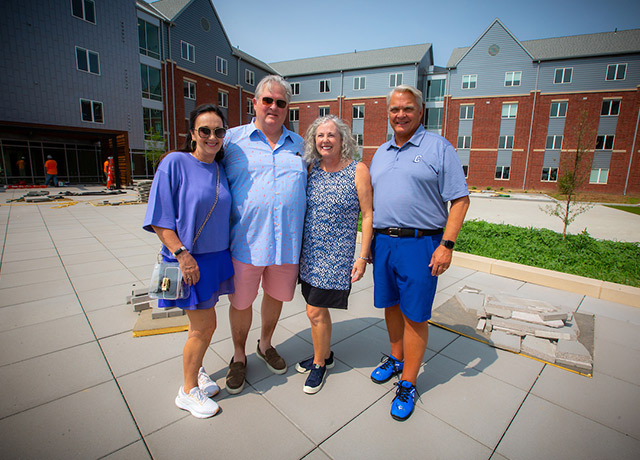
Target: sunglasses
205,132
281,103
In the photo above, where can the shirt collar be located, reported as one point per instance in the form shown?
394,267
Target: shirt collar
286,134
416,139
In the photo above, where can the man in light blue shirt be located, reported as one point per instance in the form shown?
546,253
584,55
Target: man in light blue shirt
268,179
415,176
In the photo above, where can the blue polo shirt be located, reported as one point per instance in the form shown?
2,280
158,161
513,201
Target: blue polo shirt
412,184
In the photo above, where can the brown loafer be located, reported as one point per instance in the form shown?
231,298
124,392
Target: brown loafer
236,377
272,359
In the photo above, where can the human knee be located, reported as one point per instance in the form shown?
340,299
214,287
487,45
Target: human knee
317,315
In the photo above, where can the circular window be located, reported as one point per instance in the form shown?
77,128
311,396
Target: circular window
204,22
493,50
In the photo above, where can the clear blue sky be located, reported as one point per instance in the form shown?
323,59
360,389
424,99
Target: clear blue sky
280,30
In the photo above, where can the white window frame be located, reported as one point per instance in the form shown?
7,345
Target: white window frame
357,111
250,108
469,81
190,89
325,86
249,77
84,11
323,111
464,142
295,88
505,142
294,114
190,55
359,83
465,109
94,104
87,53
609,103
359,138
223,99
510,78
395,79
605,141
551,173
554,142
504,171
599,176
559,105
222,65
563,75
509,110
615,74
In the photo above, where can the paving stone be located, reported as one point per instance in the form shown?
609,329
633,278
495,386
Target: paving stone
494,310
482,323
539,348
140,306
535,318
500,339
568,332
573,353
470,301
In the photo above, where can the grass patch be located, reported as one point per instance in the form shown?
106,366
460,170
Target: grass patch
631,209
580,254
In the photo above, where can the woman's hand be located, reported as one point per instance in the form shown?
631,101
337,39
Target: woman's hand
189,268
359,267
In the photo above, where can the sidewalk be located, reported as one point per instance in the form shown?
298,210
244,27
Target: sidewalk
76,384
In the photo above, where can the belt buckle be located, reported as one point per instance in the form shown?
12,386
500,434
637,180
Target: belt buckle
394,232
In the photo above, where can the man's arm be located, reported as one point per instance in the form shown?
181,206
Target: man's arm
441,259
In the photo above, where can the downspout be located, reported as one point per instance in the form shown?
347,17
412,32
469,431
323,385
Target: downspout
446,104
240,89
341,95
165,120
633,147
173,90
533,109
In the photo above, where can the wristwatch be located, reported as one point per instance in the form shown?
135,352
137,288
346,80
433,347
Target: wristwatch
179,251
448,244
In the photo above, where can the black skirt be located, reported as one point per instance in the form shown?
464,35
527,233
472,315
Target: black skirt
325,298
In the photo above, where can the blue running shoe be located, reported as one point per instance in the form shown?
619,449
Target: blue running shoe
389,367
315,380
305,366
404,402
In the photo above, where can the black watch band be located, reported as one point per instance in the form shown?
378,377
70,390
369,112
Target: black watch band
179,251
448,244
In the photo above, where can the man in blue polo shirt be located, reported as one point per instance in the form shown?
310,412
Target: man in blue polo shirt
415,175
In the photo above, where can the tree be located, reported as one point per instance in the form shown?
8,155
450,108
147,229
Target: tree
575,173
154,147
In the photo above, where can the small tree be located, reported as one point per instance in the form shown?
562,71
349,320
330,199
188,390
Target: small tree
575,172
154,147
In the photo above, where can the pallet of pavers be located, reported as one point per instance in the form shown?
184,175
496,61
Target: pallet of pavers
531,327
153,320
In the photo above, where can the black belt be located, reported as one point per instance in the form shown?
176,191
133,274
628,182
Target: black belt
411,232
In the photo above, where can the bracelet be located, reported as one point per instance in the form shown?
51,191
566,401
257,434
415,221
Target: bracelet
365,258
179,251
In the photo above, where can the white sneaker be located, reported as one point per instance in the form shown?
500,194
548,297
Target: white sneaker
197,403
208,386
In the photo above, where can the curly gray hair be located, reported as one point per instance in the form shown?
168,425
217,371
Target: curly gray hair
347,142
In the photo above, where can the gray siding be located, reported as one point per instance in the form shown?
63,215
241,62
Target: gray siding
465,127
38,67
377,81
607,125
556,125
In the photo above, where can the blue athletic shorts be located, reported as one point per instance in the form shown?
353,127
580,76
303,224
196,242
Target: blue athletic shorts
401,274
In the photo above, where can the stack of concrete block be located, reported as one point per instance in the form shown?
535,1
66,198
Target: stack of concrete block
534,327
141,301
143,187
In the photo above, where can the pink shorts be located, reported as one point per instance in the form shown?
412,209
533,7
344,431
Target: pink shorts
279,281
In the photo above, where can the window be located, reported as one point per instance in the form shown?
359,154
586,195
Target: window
558,109
616,71
469,81
465,170
325,87
605,142
151,83
464,142
152,119
435,90
554,143
512,78
505,142
323,111
358,111
359,83
250,109
222,66
149,39
509,110
295,88
87,61
599,176
91,111
466,112
395,79
502,172
294,115
84,9
188,51
223,99
610,107
434,118
189,89
249,77
549,174
563,75
359,138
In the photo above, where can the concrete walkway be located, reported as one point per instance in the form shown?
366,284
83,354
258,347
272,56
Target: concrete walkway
76,384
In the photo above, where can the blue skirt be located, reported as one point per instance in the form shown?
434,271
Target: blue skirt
216,279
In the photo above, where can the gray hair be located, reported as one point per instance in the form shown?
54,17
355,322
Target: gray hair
417,94
269,81
348,146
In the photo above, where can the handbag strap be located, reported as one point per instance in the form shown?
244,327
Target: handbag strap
212,207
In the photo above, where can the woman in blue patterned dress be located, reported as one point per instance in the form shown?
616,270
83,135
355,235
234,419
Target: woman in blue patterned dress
338,190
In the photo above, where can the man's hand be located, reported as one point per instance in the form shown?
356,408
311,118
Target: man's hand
441,260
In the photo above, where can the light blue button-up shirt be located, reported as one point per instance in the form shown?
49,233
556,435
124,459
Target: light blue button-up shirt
268,189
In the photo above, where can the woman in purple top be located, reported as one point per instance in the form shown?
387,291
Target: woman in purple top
189,206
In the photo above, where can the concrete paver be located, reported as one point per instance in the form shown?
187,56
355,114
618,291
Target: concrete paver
78,385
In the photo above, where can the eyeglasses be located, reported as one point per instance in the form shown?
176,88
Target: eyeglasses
205,132
281,103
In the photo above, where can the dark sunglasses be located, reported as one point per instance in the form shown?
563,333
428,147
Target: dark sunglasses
205,132
281,103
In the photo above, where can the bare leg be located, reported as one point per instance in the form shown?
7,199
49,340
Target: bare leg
416,336
271,309
320,319
240,321
202,324
395,328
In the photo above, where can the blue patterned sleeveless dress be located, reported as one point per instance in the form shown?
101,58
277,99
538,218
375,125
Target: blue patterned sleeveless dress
330,228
